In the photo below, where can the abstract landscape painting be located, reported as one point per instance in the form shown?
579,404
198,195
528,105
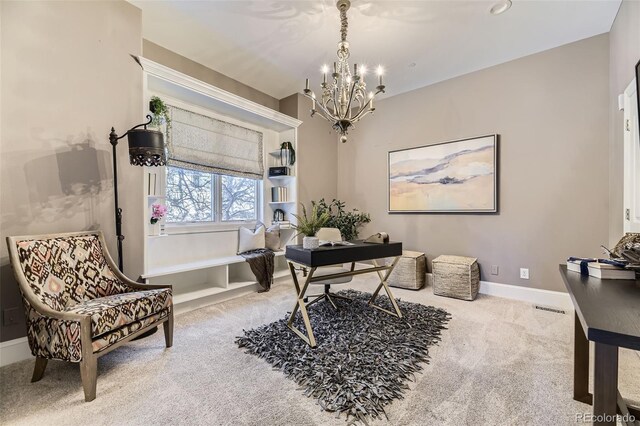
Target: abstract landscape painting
451,177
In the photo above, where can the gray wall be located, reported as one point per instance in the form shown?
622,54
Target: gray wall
67,77
317,152
551,111
624,50
177,62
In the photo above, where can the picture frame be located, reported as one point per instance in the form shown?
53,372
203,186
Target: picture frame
458,176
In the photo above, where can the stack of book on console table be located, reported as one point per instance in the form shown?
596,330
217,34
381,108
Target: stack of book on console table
601,268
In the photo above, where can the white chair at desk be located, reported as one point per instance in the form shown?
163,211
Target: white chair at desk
330,234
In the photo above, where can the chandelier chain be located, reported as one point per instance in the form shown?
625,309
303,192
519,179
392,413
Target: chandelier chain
343,98
344,24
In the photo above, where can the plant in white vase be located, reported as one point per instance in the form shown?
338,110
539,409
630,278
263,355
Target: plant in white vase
310,225
158,211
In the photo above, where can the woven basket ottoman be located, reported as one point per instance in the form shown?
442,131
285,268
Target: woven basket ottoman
456,276
410,272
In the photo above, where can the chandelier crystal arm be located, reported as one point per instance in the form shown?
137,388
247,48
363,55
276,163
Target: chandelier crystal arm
364,111
324,113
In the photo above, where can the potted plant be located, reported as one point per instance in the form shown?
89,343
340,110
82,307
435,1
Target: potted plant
160,112
309,226
158,211
348,222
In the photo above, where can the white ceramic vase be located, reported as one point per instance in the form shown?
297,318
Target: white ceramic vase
154,229
309,243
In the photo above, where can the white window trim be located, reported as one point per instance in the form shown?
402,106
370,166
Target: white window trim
176,228
173,228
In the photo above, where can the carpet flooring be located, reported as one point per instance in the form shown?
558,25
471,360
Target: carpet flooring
500,362
364,357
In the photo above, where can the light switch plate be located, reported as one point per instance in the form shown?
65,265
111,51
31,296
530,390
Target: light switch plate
524,273
494,269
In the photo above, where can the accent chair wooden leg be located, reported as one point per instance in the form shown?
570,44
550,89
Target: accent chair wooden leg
38,370
89,375
168,330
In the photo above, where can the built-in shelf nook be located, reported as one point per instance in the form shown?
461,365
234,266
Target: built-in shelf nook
200,261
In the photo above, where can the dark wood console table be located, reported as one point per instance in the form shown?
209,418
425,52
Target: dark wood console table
326,256
607,312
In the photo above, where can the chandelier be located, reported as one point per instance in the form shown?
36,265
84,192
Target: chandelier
344,98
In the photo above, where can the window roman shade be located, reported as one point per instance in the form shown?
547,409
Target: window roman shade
202,143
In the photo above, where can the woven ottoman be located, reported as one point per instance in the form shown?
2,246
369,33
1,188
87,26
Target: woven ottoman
456,276
410,272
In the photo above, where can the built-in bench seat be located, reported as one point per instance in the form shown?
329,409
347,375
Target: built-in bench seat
199,283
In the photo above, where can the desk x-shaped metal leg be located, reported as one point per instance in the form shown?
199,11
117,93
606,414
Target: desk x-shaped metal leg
383,283
311,340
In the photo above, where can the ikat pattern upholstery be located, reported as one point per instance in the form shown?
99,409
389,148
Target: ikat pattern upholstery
65,271
106,340
112,312
70,275
53,338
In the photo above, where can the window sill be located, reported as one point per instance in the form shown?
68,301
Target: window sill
202,228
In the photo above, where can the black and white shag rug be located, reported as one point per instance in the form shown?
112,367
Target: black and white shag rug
364,357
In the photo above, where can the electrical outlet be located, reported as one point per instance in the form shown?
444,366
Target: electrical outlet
524,273
10,316
494,269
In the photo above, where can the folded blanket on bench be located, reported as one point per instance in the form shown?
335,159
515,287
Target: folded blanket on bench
261,262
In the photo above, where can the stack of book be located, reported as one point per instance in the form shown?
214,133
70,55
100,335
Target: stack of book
279,194
603,271
284,224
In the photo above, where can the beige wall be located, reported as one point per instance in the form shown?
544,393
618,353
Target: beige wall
172,60
624,48
550,110
317,152
67,77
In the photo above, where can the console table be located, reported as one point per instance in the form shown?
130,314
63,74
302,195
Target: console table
326,256
607,312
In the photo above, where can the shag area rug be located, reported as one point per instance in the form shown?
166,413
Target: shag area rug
364,357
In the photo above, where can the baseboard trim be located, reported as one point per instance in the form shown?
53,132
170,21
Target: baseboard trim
535,296
14,350
18,349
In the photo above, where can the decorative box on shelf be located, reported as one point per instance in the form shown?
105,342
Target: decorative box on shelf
279,171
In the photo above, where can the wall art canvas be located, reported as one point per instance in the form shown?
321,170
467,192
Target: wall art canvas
451,177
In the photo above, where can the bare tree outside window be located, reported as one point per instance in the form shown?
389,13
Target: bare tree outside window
192,195
189,196
238,198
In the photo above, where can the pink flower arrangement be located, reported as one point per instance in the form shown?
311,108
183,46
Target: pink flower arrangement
157,212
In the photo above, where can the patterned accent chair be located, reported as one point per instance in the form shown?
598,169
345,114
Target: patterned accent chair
78,305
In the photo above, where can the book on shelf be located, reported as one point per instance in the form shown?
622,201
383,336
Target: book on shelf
328,243
279,194
284,224
604,271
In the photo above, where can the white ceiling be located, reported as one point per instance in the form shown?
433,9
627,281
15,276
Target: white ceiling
273,45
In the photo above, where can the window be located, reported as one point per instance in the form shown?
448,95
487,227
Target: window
194,196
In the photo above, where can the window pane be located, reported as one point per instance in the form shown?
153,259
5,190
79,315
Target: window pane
189,196
238,198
